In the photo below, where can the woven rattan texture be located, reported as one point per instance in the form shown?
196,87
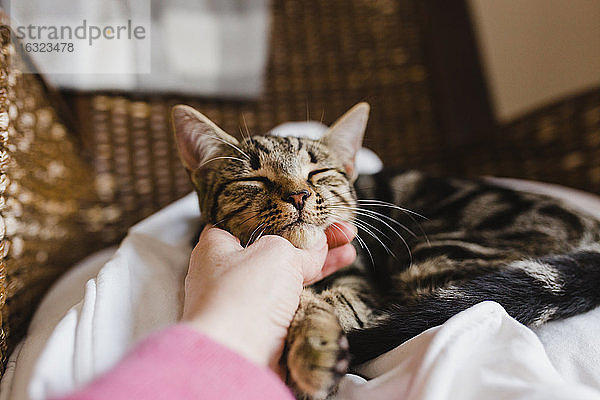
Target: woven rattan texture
560,143
49,213
326,55
4,160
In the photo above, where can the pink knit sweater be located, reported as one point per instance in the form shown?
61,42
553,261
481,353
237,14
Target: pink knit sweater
179,363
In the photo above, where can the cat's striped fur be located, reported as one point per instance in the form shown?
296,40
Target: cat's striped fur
534,255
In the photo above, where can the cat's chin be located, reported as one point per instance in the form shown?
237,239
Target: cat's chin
303,236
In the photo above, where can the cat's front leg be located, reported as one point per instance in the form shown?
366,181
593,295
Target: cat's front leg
317,349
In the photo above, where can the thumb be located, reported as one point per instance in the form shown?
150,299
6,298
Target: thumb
217,240
313,259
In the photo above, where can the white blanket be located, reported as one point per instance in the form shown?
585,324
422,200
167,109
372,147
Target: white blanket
112,300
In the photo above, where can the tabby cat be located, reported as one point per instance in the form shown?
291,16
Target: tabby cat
532,254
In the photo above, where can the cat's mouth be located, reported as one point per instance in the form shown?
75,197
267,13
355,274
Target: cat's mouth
298,220
297,224
300,223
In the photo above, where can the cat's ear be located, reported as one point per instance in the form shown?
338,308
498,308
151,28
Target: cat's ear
198,138
344,138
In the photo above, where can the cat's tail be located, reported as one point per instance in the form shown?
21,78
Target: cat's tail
531,291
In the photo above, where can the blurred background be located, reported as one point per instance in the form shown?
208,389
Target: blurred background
472,87
457,87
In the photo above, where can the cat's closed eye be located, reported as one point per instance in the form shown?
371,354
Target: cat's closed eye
261,179
318,171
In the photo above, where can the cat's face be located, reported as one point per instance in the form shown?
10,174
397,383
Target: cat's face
287,186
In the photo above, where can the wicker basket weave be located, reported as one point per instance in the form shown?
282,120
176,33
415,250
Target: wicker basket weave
326,55
50,215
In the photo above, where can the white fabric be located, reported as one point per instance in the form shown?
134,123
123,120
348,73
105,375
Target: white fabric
113,299
573,344
101,309
104,306
212,48
480,353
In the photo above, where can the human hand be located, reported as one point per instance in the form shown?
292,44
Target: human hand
245,298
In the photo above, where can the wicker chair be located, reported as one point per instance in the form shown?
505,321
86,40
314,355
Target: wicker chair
325,56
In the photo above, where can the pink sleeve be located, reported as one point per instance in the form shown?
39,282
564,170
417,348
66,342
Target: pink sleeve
179,363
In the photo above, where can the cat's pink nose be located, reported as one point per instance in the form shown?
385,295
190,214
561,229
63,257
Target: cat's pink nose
298,198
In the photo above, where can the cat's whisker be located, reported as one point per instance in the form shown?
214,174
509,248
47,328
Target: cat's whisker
403,241
241,213
230,145
260,234
361,242
365,223
223,220
336,195
246,126
320,140
365,226
256,215
250,240
387,237
376,216
364,246
363,214
343,233
243,134
220,158
391,228
379,203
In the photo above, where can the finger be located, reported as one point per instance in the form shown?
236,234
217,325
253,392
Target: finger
270,243
313,259
339,234
218,240
337,258
275,251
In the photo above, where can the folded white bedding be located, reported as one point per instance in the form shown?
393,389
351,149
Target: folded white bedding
480,353
113,299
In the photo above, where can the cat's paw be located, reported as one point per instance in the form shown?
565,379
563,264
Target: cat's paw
318,358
